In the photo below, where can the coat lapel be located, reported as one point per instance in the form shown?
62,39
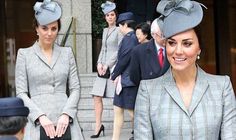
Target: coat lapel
39,53
173,91
55,54
199,90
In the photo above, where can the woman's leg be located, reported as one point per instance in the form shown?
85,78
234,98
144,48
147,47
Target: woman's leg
131,114
118,122
98,106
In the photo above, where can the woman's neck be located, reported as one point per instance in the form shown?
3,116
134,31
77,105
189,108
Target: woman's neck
146,40
45,47
185,77
128,30
111,25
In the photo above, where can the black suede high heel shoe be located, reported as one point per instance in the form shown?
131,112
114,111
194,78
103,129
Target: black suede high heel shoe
102,128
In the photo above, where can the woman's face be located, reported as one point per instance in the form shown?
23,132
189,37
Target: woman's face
141,37
47,33
123,28
111,18
182,50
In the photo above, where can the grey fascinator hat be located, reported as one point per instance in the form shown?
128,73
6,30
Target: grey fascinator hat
179,15
107,7
47,12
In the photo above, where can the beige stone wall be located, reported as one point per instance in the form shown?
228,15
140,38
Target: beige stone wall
81,11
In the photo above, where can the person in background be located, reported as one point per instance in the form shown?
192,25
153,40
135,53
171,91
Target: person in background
149,60
126,91
47,80
142,32
103,86
186,102
13,118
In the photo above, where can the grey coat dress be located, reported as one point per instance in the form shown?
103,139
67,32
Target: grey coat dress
160,113
108,56
43,87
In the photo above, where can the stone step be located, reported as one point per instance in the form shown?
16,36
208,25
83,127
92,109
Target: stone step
85,92
90,113
89,101
91,107
88,122
87,79
87,118
125,134
86,114
105,118
108,125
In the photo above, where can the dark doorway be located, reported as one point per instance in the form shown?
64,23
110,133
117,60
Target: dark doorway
16,32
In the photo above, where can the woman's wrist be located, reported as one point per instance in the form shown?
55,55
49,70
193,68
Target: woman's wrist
37,121
41,117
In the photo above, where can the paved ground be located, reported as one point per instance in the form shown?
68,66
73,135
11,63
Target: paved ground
125,135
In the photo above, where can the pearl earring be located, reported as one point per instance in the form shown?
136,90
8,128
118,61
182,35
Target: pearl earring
198,57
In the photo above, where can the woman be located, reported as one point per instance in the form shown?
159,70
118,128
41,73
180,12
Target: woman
126,90
142,32
103,86
44,72
186,102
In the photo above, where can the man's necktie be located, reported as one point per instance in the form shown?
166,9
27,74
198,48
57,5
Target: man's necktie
161,57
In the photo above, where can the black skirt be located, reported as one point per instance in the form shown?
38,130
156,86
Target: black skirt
126,99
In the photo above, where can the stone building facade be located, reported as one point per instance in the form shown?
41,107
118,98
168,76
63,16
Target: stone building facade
79,38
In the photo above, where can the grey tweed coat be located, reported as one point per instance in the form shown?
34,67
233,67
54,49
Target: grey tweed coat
42,87
107,56
160,113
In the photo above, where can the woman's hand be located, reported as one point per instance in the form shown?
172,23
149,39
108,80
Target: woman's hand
47,126
62,125
104,69
116,80
99,68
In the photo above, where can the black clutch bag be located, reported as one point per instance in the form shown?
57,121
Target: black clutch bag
65,136
106,75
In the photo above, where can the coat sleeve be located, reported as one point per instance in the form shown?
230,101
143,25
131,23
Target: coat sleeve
21,81
124,55
228,127
101,54
74,88
113,59
142,120
135,74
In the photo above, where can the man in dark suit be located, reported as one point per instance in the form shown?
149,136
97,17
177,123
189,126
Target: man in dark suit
145,59
13,118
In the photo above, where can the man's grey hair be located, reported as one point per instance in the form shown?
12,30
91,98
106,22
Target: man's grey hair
157,25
